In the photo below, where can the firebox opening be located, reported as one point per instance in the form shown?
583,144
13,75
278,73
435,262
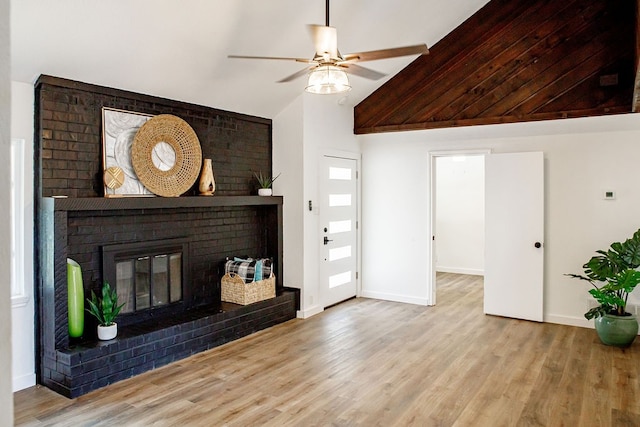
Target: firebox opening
148,281
149,277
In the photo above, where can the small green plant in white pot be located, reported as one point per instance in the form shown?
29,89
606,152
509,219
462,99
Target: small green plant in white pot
105,309
265,182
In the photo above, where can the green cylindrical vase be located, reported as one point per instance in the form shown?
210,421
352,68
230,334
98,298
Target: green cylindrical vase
75,299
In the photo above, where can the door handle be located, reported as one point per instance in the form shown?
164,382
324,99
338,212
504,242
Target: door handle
538,245
326,240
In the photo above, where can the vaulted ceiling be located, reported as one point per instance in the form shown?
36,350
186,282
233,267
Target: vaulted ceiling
178,50
512,61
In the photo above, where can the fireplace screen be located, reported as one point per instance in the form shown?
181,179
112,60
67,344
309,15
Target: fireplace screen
149,281
145,275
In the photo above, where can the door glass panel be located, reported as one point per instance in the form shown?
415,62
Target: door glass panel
339,173
339,253
339,279
339,200
160,280
146,280
175,271
124,285
339,226
142,283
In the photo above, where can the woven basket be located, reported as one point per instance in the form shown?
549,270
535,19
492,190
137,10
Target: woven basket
236,291
182,138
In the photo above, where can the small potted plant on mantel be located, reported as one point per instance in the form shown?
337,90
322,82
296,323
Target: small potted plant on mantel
105,309
265,183
613,275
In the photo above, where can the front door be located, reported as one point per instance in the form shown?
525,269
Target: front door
338,222
514,229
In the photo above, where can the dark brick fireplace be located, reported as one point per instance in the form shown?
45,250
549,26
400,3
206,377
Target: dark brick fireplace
232,222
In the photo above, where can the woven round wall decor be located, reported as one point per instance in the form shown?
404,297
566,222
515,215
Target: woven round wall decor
182,138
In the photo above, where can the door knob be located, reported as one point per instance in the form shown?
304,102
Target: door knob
538,245
326,240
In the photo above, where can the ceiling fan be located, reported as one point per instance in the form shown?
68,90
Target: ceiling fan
328,67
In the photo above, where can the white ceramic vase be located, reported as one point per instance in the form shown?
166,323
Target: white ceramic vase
265,191
106,333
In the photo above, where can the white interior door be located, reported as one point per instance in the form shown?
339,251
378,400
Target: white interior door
514,229
338,216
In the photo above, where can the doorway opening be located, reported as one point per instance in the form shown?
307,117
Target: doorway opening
513,284
457,218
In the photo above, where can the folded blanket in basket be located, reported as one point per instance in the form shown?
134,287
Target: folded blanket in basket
249,269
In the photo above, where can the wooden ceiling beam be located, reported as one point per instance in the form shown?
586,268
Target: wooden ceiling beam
568,114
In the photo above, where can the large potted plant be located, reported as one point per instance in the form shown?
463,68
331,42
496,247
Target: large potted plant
613,275
105,309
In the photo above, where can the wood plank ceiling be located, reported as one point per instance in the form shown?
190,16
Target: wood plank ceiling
515,61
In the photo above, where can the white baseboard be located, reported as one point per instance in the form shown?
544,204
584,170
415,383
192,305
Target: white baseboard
311,311
23,381
394,297
457,270
569,321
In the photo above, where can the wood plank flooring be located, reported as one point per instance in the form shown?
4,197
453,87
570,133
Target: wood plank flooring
375,363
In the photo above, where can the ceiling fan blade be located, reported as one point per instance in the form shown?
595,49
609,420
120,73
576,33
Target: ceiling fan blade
295,75
373,55
279,58
360,71
325,40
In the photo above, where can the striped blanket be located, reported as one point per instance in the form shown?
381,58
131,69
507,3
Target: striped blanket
249,269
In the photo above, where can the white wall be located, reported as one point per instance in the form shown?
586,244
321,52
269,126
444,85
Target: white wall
395,212
22,313
583,157
6,396
327,127
287,160
459,214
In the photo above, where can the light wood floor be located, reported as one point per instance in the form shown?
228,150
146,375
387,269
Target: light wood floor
375,363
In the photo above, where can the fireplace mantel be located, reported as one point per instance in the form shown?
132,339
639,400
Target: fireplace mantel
126,203
54,212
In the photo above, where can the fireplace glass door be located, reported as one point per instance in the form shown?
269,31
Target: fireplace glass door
146,276
149,281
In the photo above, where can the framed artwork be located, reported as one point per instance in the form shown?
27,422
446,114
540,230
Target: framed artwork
118,131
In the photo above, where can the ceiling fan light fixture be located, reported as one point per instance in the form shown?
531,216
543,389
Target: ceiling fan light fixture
327,79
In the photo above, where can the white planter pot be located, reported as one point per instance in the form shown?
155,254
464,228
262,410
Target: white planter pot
106,333
265,191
